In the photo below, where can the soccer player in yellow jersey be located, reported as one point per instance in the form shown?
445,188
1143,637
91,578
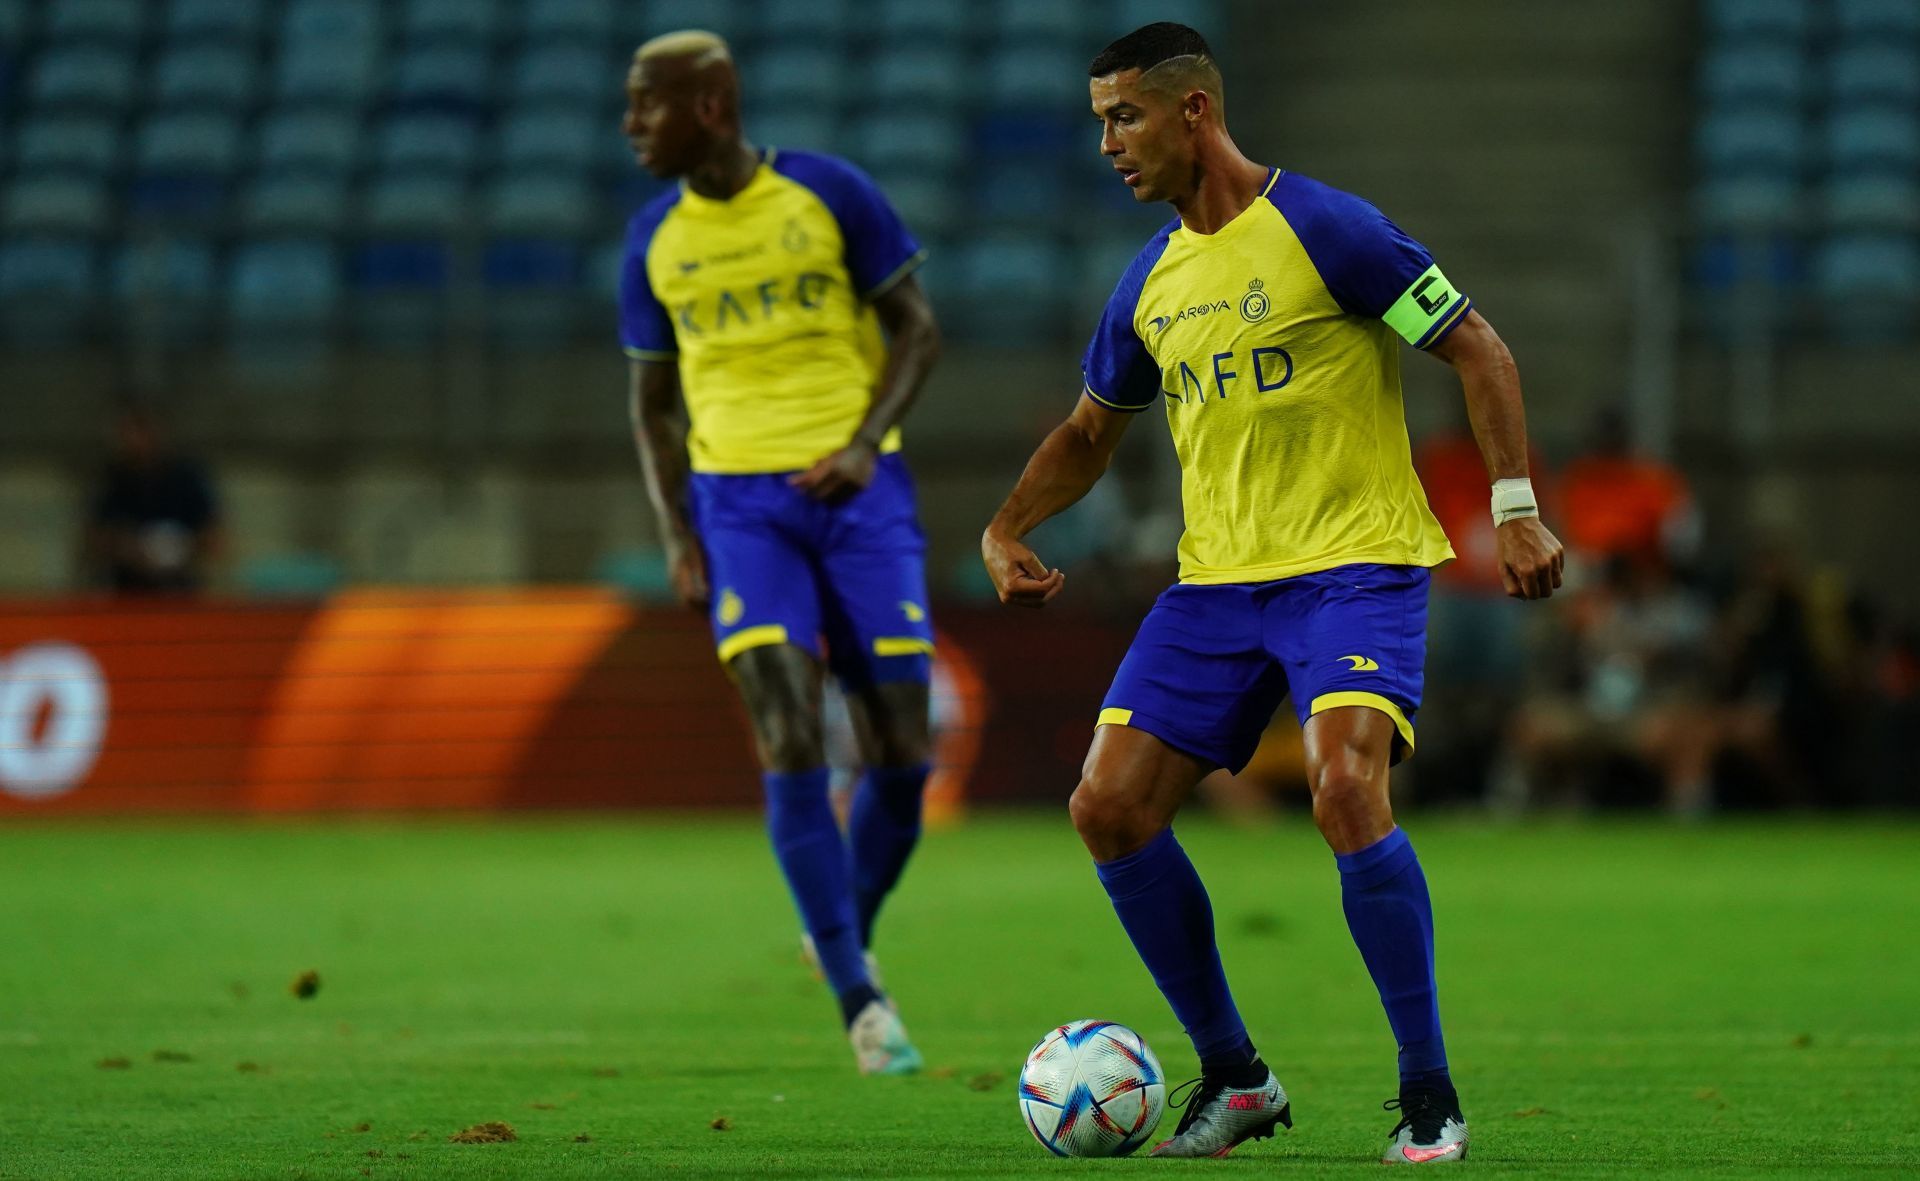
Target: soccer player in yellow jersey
1267,320
756,292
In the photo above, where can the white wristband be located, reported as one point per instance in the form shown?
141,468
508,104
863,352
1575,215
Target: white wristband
1513,499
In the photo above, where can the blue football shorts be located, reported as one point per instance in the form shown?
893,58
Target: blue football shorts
787,569
1211,664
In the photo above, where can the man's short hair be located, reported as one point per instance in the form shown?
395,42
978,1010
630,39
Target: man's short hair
1148,46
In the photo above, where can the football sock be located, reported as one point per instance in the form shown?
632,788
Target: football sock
882,829
855,999
1167,914
1385,897
806,840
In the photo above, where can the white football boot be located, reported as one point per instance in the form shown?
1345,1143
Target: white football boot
1431,1130
1219,1118
880,1042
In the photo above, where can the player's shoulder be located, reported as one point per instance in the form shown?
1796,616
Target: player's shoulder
823,172
1311,204
646,220
1135,275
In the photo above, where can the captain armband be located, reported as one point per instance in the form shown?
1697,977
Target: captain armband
1513,499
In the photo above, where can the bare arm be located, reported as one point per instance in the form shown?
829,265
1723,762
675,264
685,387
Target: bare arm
1531,557
913,345
660,435
1068,463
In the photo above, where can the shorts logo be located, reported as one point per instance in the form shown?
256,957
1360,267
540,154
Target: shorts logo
914,612
730,609
1362,664
1255,305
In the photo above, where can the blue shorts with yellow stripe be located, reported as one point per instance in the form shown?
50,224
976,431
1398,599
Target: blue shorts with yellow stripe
1211,663
787,569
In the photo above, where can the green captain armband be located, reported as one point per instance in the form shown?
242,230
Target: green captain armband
1426,310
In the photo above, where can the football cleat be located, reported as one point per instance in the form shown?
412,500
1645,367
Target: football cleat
1431,1130
880,1042
1219,1118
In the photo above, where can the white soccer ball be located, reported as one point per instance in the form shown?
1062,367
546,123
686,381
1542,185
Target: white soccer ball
1092,1088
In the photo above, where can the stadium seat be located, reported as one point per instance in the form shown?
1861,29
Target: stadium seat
214,74
566,70
540,204
313,140
408,264
928,206
1873,137
531,262
1751,138
1768,201
1790,19
13,23
428,142
169,201
92,75
471,21
1877,18
568,137
317,72
817,22
190,19
295,203
583,20
1039,77
66,205
605,264
810,131
802,75
884,142
1013,286
724,17
432,204
1869,284
458,74
916,23
331,22
68,21
934,74
173,278
1873,202
534,284
201,142
46,289
281,285
1058,21
1127,15
82,143
1875,73
1757,72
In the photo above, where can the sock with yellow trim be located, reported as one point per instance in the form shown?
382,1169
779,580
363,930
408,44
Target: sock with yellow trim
882,829
807,843
1390,915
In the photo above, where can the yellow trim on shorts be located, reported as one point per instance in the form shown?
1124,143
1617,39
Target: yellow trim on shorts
1111,716
1328,701
752,637
902,646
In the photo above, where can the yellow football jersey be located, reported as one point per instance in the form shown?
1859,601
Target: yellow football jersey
764,301
1273,345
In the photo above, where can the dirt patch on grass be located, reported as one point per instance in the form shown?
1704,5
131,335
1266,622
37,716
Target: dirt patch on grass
721,1124
305,984
490,1133
606,1072
115,1064
985,1082
250,1068
171,1056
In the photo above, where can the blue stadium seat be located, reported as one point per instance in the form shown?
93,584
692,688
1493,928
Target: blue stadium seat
189,19
331,22
88,75
1059,21
1876,73
566,70
1877,18
83,143
46,288
934,74
1015,286
458,74
1751,71
433,204
531,262
283,285
1868,267
540,204
1046,78
314,140
1751,139
1873,137
724,17
76,206
1128,15
215,74
819,22
296,203
204,142
807,75
1790,19
1887,201
811,131
472,21
924,22
567,137
13,23
605,264
884,142
929,206
314,71
1742,204
405,264
68,21
173,200
585,20
166,273
428,142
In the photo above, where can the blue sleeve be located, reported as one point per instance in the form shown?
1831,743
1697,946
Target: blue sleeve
646,331
1370,266
1120,373
880,250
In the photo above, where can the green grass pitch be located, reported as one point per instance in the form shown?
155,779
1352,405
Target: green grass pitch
1621,999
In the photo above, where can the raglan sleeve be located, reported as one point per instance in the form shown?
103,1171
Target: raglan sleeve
646,331
879,248
1374,268
1120,373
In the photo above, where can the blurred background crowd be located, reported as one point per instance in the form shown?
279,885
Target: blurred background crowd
298,295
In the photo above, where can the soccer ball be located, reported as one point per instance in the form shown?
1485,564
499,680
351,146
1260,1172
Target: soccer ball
1092,1088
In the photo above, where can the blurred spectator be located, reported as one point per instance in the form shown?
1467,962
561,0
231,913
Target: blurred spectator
1615,504
155,519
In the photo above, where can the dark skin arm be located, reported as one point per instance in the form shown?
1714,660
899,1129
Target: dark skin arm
913,345
1069,462
660,435
1531,558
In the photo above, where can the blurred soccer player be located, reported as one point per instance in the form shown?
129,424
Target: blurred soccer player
755,291
1264,319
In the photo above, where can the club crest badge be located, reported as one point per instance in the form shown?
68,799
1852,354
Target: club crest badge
1255,305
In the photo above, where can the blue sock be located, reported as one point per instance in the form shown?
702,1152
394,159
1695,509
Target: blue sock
806,840
1388,911
882,830
1167,914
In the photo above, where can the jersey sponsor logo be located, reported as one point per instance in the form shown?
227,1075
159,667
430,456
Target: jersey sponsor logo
1362,664
730,609
1266,369
1159,323
711,312
1255,305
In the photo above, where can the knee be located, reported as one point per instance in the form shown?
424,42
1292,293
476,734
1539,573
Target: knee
1107,825
1344,792
902,746
791,740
